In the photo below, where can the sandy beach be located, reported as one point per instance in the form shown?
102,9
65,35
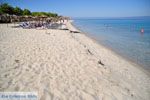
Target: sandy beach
60,65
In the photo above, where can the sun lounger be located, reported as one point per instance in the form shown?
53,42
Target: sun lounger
24,26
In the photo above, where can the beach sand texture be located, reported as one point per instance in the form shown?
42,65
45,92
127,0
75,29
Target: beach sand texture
60,65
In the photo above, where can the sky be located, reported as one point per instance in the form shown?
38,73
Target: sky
86,8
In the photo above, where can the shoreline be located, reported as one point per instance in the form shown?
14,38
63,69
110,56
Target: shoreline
109,49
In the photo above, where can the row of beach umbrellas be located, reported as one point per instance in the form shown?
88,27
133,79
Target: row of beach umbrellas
15,18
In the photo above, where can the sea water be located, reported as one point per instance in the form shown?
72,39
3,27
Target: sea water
122,35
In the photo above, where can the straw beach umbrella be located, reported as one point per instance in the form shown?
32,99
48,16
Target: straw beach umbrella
5,17
59,18
28,18
24,18
49,19
55,19
14,17
43,17
31,18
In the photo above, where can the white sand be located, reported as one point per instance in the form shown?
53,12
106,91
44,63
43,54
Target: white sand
63,66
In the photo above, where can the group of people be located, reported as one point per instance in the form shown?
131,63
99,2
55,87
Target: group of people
40,25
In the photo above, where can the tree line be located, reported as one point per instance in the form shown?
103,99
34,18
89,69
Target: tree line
8,9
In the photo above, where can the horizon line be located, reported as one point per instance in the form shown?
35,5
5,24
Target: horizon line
115,17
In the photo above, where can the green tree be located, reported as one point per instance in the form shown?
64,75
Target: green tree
18,11
5,8
51,14
54,15
43,13
0,12
35,14
26,12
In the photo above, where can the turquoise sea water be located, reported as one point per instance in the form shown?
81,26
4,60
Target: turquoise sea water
122,36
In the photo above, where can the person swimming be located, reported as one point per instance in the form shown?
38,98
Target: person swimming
142,32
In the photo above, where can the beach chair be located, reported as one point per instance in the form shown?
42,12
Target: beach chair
21,26
26,23
24,26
